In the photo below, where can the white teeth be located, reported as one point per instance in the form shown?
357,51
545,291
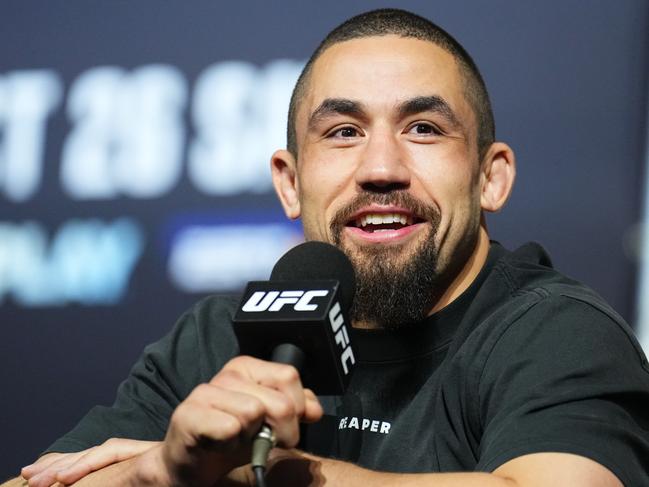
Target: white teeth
383,218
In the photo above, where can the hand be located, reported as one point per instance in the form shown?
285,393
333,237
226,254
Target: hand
67,468
211,432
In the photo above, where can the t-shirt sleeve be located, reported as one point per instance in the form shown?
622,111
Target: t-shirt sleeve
163,376
567,377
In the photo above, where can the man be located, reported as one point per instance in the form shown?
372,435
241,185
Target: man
476,366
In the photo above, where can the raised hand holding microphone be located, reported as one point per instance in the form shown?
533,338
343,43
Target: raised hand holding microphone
209,435
211,432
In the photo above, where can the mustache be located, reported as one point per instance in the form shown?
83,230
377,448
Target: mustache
395,198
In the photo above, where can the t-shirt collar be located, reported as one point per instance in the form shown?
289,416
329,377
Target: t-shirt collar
431,334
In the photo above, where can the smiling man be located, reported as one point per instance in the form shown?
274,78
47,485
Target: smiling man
476,366
389,150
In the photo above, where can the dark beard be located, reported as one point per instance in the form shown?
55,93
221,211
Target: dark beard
391,291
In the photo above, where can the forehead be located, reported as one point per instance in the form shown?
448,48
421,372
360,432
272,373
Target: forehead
383,71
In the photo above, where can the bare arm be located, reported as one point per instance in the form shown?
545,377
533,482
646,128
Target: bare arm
120,473
17,482
535,470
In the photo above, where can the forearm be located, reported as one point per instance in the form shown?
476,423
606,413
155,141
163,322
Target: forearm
310,471
126,473
121,474
16,482
357,476
134,472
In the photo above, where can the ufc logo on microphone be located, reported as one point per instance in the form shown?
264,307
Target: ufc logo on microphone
274,300
342,338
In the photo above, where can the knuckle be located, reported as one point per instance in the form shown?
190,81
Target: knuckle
288,373
202,394
238,361
112,442
252,410
285,408
200,390
230,427
178,416
226,378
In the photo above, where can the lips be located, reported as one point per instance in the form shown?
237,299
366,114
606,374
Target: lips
373,220
388,218
377,224
377,221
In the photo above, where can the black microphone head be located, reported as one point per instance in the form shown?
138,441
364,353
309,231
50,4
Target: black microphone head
304,307
311,261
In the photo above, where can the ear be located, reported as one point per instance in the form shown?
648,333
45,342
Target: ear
283,167
498,175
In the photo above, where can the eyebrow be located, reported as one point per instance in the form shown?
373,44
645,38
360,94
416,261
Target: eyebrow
419,104
336,106
433,103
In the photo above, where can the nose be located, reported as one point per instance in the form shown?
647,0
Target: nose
382,166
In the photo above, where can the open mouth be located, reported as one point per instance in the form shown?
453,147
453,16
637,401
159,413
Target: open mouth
381,222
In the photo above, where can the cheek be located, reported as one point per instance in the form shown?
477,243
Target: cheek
450,180
446,182
323,182
317,194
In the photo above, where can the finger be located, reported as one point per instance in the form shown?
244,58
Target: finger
247,410
45,477
312,407
279,409
42,463
211,428
284,378
112,451
204,435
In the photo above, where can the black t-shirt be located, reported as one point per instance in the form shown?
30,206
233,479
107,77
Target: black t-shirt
526,360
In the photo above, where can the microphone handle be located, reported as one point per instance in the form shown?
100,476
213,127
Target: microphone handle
285,353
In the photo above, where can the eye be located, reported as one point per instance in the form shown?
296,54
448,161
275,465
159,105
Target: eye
344,133
424,128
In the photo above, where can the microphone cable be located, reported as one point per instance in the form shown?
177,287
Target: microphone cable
261,446
260,480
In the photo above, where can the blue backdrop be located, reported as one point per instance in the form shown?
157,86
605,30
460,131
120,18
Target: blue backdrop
134,148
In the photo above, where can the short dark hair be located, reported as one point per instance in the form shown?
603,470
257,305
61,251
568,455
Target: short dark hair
383,22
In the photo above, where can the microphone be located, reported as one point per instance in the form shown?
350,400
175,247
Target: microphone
300,317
